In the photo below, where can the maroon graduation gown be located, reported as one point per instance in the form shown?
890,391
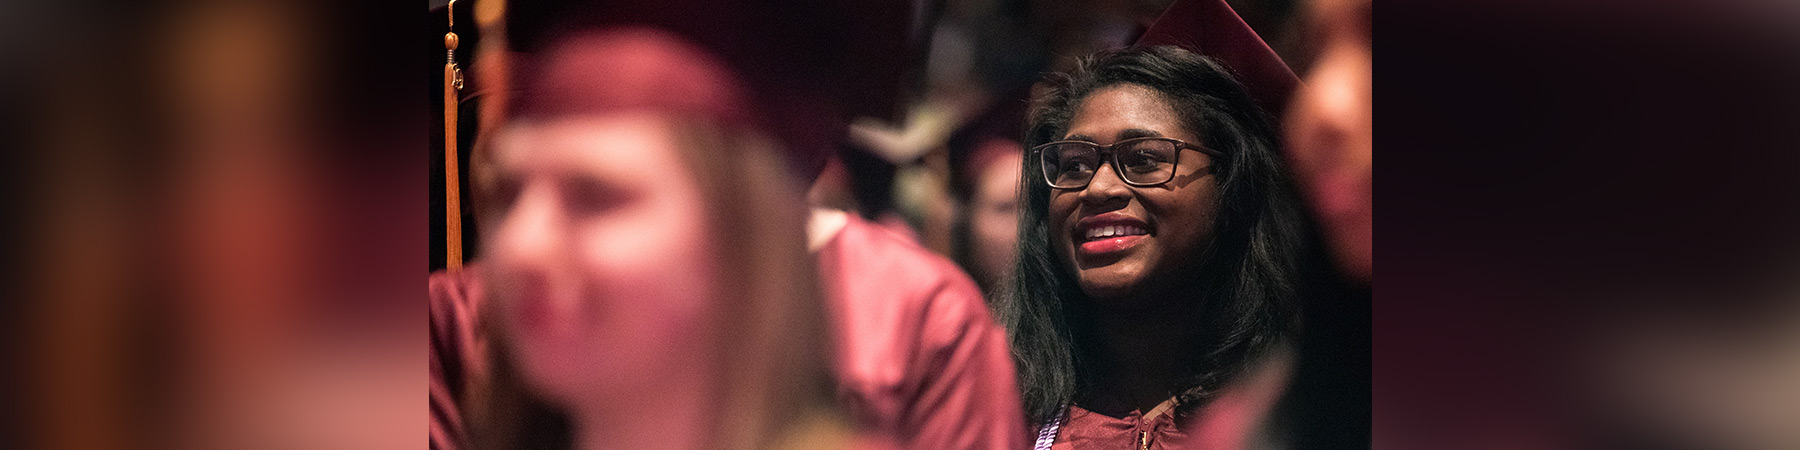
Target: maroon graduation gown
918,355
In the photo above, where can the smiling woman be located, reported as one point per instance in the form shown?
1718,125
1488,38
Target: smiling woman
1157,251
1096,226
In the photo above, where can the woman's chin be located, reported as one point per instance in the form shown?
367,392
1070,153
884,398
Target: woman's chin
1107,290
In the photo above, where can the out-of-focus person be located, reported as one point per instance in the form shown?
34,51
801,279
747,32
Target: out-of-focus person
1328,126
993,210
647,265
914,352
985,157
1330,134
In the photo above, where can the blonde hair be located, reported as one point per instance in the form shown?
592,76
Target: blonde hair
773,347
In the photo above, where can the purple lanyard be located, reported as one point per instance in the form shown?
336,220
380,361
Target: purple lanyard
1047,434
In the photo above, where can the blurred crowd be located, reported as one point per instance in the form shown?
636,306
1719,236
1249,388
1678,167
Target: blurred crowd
901,224
718,225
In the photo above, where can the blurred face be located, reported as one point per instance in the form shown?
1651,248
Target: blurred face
1330,133
599,258
995,219
1120,239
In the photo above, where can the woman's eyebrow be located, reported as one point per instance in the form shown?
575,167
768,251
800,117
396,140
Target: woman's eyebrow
1133,133
1128,133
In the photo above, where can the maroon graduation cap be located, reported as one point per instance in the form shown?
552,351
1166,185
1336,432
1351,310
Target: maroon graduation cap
806,66
1212,28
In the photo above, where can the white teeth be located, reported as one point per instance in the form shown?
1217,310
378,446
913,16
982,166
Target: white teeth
1113,230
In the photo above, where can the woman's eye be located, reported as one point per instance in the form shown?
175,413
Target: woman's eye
1142,161
500,196
587,196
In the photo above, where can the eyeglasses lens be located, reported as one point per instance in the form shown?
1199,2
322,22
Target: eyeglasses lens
1072,165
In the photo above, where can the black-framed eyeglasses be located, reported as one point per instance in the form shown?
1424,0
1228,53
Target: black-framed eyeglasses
1143,162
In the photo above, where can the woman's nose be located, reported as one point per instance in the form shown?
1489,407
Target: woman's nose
1106,186
529,235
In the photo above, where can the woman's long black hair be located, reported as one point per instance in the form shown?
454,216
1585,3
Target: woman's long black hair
1249,268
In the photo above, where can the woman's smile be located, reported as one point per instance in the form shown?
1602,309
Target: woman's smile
1102,234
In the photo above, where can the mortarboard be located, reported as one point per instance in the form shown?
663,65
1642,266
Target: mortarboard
806,66
799,69
1213,29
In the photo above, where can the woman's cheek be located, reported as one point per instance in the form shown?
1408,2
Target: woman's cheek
654,280
1060,210
655,259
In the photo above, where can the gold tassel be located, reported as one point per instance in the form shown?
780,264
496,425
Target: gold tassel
453,254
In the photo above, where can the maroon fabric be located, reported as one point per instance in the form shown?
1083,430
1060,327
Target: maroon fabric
1212,28
1088,430
1233,419
810,65
456,353
630,68
918,354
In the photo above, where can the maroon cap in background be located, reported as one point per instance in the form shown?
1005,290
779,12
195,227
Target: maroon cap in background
1212,28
